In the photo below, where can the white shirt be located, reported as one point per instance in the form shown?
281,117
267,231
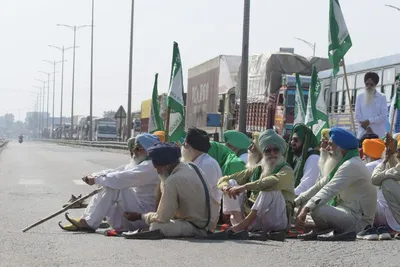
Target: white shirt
310,175
383,214
212,172
375,112
244,157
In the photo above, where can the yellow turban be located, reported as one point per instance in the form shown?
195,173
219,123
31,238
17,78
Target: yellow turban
160,135
373,148
325,134
256,136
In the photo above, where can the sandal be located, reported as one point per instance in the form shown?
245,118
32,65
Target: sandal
75,226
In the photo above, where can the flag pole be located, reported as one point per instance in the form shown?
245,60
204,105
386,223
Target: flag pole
348,95
392,121
167,124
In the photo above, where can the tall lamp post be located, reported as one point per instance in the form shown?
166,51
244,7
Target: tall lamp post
54,63
91,77
43,100
74,28
312,46
48,96
129,115
40,114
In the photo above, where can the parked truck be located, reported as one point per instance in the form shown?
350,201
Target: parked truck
105,129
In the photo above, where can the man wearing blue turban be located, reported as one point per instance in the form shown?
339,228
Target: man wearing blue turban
343,202
128,188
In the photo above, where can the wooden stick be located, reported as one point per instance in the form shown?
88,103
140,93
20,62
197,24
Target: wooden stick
167,124
63,210
348,95
392,122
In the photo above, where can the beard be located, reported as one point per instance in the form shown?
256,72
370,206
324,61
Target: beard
136,160
334,157
369,96
253,159
268,166
188,154
323,157
163,176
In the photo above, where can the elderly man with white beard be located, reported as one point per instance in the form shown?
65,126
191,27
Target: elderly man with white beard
129,188
343,202
271,186
371,108
195,149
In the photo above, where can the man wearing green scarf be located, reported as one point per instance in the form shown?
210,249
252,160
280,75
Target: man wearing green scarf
238,142
269,186
343,202
303,157
226,158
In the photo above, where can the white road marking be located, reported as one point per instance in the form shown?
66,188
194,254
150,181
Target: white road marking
30,182
79,182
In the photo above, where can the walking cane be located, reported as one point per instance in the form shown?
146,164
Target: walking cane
63,210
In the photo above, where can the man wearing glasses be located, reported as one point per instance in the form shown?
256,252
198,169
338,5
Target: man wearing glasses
371,108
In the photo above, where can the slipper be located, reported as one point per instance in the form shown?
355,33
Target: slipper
74,226
79,205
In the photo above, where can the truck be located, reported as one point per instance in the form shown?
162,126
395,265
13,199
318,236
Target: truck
105,129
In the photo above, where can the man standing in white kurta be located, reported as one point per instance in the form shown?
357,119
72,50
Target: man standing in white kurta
371,108
130,189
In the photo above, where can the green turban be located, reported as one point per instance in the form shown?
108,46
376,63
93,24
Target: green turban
270,137
237,139
131,143
306,135
226,158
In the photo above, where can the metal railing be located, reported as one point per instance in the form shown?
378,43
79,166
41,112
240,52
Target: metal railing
99,144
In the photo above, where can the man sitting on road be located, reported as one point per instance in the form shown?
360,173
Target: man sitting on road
254,152
271,187
303,157
238,142
187,206
226,158
344,200
128,188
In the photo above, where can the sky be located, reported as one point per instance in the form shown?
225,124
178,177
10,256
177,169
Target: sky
204,29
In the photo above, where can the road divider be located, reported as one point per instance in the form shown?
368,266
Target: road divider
97,144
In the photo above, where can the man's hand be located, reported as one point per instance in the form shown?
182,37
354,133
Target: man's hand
236,190
132,216
301,217
323,144
89,180
390,144
364,124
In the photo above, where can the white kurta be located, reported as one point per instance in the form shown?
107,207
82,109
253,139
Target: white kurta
310,175
244,157
383,214
212,172
130,189
376,113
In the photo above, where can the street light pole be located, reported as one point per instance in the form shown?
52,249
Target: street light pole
244,68
313,46
74,28
129,115
48,97
91,78
39,110
43,100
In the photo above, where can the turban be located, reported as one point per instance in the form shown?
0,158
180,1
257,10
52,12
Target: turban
373,76
256,137
147,140
367,136
373,148
343,138
325,133
237,139
163,154
306,135
160,135
131,143
198,139
270,137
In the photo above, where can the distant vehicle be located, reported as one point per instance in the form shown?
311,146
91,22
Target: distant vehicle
105,129
21,139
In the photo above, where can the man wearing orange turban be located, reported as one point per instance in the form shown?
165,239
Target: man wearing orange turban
373,150
160,135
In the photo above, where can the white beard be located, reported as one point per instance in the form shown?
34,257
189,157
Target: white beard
253,159
324,155
369,96
137,160
188,154
333,160
163,177
269,167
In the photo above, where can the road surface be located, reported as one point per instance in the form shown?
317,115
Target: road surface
37,178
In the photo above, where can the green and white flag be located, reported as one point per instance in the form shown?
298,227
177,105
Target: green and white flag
155,121
316,115
339,37
175,99
299,106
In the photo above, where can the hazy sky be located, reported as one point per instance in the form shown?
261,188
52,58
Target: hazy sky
203,29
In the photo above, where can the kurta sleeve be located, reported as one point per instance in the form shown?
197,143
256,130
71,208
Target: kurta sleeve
310,175
358,110
168,206
105,172
382,112
265,183
342,179
240,177
307,195
137,176
380,174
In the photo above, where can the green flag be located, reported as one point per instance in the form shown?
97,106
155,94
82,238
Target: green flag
175,99
339,37
155,121
316,115
299,106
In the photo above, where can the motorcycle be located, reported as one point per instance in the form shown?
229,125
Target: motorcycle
20,139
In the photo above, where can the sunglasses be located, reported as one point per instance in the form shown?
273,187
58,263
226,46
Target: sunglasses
137,148
271,150
369,84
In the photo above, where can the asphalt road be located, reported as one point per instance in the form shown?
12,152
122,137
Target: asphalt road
37,178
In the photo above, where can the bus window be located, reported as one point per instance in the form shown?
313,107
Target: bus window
387,90
339,94
388,76
360,80
280,100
